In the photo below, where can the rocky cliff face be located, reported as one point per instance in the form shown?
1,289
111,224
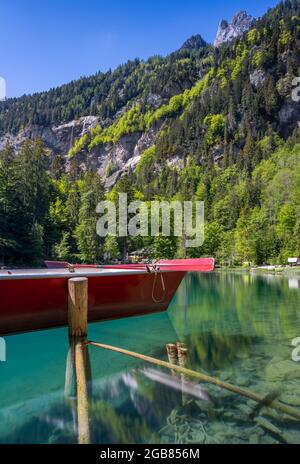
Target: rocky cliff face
241,23
58,138
120,157
112,161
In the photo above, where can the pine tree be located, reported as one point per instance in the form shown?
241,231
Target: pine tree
88,242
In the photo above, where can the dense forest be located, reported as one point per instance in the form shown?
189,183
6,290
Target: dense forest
227,134
104,94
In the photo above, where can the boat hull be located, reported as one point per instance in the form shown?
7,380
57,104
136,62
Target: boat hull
41,302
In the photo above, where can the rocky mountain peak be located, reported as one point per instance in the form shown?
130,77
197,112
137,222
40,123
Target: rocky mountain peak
223,24
240,23
194,42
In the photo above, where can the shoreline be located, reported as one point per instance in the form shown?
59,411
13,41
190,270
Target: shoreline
262,270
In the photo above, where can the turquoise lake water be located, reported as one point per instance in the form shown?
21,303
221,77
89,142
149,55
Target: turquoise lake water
238,327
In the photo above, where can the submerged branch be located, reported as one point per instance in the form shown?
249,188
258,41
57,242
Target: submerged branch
203,378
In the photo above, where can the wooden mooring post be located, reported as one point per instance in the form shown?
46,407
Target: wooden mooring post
183,362
177,355
78,307
172,355
78,322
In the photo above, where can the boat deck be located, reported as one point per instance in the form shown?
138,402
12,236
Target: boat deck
8,274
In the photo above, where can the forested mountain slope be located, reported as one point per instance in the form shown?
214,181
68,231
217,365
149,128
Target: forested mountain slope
104,94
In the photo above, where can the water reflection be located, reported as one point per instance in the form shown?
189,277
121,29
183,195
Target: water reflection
238,327
293,284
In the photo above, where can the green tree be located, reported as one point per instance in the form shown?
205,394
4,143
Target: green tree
111,247
8,245
29,202
62,249
286,221
164,247
88,242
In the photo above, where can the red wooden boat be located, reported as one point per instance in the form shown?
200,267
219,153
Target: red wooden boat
38,299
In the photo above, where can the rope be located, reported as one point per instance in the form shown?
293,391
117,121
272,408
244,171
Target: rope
163,287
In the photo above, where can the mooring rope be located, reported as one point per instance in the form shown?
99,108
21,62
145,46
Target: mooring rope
154,285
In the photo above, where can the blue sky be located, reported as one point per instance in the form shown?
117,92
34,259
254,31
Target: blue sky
47,43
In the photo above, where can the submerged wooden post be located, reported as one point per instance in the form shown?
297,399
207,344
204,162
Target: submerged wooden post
172,355
78,320
183,361
182,354
84,436
70,379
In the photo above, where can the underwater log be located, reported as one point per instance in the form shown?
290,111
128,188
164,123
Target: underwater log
202,377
